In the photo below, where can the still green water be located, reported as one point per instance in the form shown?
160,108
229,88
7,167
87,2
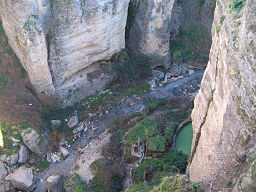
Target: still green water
184,139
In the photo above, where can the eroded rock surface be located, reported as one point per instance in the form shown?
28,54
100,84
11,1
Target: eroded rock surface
224,115
150,29
60,43
22,179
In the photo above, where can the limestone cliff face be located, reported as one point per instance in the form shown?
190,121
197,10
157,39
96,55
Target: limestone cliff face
191,24
224,117
150,29
60,42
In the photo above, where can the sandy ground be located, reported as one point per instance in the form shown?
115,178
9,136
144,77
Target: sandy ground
90,153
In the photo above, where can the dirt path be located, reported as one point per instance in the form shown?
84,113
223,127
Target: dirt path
88,148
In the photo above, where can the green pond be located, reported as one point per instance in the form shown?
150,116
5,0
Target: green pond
184,139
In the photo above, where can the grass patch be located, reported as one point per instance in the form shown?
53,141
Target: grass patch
42,166
74,183
10,130
156,144
143,130
144,88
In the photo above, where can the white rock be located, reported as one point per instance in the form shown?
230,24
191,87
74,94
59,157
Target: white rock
56,123
15,140
14,159
73,121
64,151
5,186
152,83
35,142
55,158
3,158
79,128
23,154
191,71
158,74
22,179
3,171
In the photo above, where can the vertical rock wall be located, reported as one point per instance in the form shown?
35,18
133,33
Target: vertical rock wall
150,29
61,42
224,116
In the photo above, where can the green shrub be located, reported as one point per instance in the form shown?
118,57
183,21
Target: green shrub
200,3
74,183
165,164
222,18
141,187
42,166
130,67
143,130
1,28
177,183
169,131
156,144
236,5
3,83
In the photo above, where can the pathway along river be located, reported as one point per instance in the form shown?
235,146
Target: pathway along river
183,88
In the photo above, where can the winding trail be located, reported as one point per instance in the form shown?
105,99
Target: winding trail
82,147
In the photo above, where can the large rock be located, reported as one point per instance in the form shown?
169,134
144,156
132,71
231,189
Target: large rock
35,142
3,171
55,183
60,43
22,179
23,154
5,186
224,120
150,29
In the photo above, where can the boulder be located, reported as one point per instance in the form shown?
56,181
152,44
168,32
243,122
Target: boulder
22,179
79,128
3,158
23,154
64,151
55,158
35,142
3,171
159,75
56,123
14,159
73,122
5,186
65,65
55,183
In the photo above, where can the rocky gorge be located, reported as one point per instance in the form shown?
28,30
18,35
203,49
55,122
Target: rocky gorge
112,86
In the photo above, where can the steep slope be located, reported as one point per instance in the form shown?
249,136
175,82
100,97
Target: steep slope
224,117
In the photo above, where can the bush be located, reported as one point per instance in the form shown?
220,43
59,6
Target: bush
236,5
165,164
142,187
176,183
131,67
74,183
